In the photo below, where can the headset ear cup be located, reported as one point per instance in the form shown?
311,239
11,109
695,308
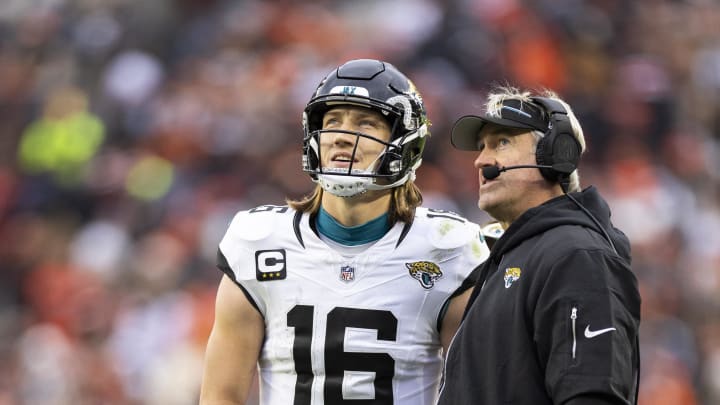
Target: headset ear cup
544,157
553,149
566,149
559,145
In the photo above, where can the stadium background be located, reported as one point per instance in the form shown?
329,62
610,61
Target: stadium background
131,131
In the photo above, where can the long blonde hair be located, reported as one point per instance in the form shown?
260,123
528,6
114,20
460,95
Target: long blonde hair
405,199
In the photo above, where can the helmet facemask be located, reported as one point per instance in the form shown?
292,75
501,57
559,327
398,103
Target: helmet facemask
392,167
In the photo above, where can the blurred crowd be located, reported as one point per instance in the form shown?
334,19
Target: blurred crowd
131,131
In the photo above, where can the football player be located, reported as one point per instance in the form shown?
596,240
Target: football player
351,294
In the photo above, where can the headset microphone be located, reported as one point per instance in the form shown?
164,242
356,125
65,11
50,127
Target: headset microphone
564,169
491,172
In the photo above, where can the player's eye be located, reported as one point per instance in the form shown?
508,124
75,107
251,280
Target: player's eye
368,123
331,123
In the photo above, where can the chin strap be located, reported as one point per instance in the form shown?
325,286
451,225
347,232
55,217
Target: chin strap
343,186
349,186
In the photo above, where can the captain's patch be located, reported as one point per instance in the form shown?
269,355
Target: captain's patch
270,265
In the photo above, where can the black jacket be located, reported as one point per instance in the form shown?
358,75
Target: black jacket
557,318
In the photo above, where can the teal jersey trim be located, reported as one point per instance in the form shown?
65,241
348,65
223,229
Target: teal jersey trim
352,235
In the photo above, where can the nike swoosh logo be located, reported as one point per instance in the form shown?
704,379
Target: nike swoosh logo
592,333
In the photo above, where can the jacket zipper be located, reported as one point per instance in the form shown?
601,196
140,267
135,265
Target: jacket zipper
573,318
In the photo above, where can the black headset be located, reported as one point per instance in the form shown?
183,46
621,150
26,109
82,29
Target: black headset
559,152
559,147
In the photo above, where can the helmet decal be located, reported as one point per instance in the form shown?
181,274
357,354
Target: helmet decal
350,90
406,108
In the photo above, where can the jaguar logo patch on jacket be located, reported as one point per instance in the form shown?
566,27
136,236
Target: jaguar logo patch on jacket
512,274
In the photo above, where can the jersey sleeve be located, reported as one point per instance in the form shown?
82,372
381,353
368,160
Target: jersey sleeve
235,255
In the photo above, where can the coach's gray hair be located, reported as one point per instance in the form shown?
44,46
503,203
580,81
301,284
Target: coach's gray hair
500,94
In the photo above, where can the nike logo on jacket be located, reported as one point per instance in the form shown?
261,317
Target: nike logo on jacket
592,333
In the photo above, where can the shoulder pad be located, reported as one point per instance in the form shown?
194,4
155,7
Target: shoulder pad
493,230
257,223
448,230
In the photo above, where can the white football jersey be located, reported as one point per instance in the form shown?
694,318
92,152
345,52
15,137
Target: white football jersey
359,329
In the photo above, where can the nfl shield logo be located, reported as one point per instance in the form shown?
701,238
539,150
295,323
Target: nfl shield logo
347,273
